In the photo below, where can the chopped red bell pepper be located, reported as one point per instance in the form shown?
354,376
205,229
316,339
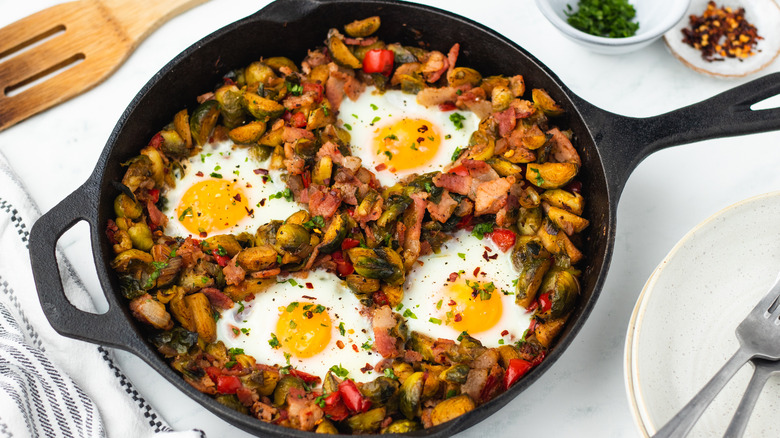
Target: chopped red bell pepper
154,195
213,373
306,177
221,259
306,377
516,369
343,267
379,61
447,106
459,170
349,243
228,384
298,120
156,141
545,303
314,88
335,407
503,238
352,397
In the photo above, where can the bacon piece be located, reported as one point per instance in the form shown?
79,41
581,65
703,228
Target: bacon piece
443,210
382,321
152,312
156,217
263,411
413,218
475,101
506,121
315,58
562,150
331,150
434,66
204,385
295,102
406,69
475,382
491,196
290,134
303,413
190,252
246,396
234,274
452,56
433,96
411,356
266,273
360,41
523,108
460,184
217,298
323,202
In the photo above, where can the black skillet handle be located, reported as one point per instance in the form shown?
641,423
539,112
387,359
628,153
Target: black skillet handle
625,141
109,328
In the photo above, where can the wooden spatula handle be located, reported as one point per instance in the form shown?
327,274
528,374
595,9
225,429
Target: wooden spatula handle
138,19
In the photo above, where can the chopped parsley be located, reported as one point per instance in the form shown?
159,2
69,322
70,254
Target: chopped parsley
348,126
367,346
315,222
339,371
375,119
342,331
320,401
389,373
186,213
457,120
462,256
236,331
408,314
462,334
436,321
374,107
158,266
538,180
286,194
438,305
481,229
391,137
221,250
294,89
216,175
235,351
293,305
389,155
456,153
274,341
245,331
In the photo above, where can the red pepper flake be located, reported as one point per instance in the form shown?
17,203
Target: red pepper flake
367,368
380,167
307,297
458,317
340,344
486,256
721,33
355,347
249,186
452,303
250,212
392,170
262,202
422,129
260,171
237,197
264,179
453,277
493,257
420,139
203,234
199,173
476,271
309,286
488,249
505,332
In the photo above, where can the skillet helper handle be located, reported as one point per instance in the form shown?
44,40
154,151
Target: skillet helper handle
105,329
626,141
682,423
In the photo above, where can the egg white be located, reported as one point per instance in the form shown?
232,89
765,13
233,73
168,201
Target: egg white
463,254
249,326
233,163
373,110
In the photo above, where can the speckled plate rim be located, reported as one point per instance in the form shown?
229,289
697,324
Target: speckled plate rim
633,392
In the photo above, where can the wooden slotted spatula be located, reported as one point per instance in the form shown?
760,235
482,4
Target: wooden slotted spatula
79,44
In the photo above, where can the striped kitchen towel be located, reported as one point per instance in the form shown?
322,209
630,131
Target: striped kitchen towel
52,386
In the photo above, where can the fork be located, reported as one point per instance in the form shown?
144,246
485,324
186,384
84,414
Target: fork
758,336
74,46
763,370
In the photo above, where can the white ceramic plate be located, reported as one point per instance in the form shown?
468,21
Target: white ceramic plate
763,14
682,328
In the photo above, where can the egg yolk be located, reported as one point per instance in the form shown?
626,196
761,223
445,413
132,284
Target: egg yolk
303,329
407,144
471,306
212,205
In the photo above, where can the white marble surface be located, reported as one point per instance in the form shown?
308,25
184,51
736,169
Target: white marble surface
583,393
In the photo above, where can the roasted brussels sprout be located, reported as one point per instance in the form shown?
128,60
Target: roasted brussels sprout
402,426
452,408
226,243
529,220
141,236
173,145
547,331
379,263
366,422
463,76
363,28
264,381
279,62
125,206
258,72
261,108
394,208
545,102
125,262
573,202
293,239
248,287
334,234
257,258
181,122
231,401
341,54
249,133
456,373
532,261
380,389
203,121
283,388
502,96
323,169
411,395
422,344
362,285
326,427
570,223
561,288
550,175
230,103
139,173
174,342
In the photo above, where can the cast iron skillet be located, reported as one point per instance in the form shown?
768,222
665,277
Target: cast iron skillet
611,146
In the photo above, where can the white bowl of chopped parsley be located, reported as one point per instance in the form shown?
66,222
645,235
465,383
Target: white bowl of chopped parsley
613,26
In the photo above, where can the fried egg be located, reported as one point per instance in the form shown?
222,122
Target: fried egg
396,136
467,287
312,324
225,190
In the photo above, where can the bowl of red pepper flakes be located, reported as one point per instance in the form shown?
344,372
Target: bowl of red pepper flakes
735,38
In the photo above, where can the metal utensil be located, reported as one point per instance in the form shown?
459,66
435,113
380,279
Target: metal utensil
80,43
763,370
757,335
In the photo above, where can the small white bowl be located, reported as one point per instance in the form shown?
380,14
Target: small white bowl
655,17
